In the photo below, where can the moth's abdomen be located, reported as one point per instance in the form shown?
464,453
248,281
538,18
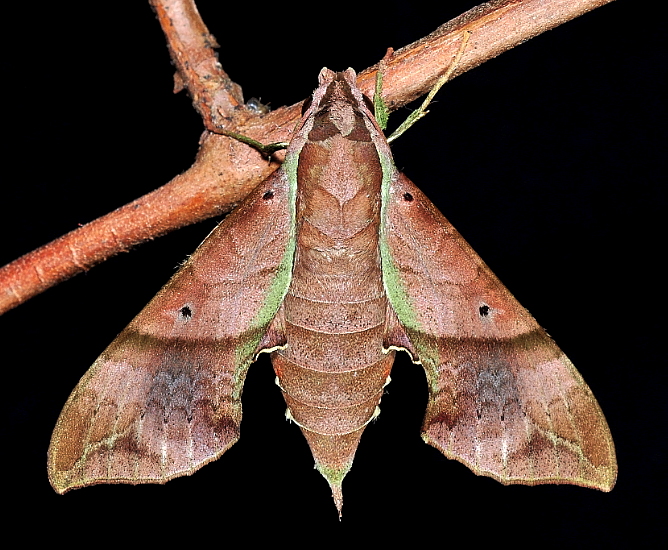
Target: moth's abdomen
332,376
332,381
332,370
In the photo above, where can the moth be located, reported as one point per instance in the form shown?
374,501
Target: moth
331,265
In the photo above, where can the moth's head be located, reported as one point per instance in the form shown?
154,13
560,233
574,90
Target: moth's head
332,84
338,104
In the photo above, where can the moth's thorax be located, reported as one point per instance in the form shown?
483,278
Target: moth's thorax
339,182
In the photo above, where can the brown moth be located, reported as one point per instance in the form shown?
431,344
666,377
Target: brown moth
331,265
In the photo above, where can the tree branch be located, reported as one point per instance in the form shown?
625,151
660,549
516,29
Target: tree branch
226,170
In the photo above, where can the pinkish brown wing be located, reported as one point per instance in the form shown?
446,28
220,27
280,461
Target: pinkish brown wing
164,398
504,399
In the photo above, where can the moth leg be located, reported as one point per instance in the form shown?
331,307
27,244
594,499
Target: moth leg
422,110
265,149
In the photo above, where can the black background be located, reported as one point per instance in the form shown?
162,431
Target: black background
546,159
